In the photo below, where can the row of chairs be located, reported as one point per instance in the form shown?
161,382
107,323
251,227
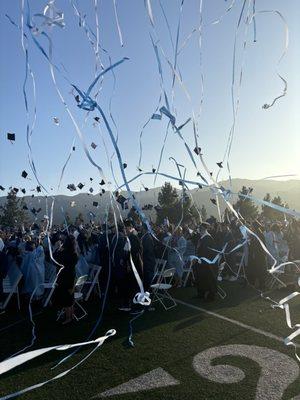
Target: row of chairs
91,282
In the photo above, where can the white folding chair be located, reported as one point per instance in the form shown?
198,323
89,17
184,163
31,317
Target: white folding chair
162,287
188,270
160,265
78,295
50,276
10,286
93,280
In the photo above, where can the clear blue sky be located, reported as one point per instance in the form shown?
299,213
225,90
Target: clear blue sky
266,141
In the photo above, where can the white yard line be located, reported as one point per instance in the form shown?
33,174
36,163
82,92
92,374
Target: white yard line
232,321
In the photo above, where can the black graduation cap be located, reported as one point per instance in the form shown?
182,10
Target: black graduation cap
103,191
91,190
93,145
150,206
73,148
24,174
139,169
71,187
91,179
146,189
15,190
77,98
211,174
200,186
23,191
25,207
34,211
250,189
122,200
11,136
102,182
2,188
220,164
153,170
214,201
157,208
38,189
80,185
124,165
97,119
95,203
197,150
32,195
180,183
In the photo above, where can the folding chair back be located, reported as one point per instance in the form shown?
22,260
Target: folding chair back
10,285
160,265
78,295
93,280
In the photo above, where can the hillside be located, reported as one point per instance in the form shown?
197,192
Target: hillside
289,191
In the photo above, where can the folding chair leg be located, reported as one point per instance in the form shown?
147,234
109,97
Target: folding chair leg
186,278
83,311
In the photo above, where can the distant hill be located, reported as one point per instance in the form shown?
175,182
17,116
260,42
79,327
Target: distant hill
289,191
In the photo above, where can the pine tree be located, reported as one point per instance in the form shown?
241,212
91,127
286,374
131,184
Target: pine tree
270,213
245,206
267,212
12,213
169,204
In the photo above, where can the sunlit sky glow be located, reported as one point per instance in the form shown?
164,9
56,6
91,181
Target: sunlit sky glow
266,142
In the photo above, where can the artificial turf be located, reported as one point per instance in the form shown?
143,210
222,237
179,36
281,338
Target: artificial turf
166,339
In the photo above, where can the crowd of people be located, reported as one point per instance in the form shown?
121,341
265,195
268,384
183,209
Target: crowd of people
202,247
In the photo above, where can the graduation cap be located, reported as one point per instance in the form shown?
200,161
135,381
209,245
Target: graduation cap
146,189
72,204
91,179
97,119
73,148
102,182
2,188
71,187
24,174
250,189
123,201
157,208
38,189
23,191
56,120
25,207
153,170
80,185
91,190
103,191
15,190
200,186
214,201
124,165
32,195
211,174
11,136
77,98
93,145
220,164
95,203
34,211
139,169
197,150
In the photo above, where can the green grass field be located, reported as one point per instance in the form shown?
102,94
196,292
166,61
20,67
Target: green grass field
164,341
